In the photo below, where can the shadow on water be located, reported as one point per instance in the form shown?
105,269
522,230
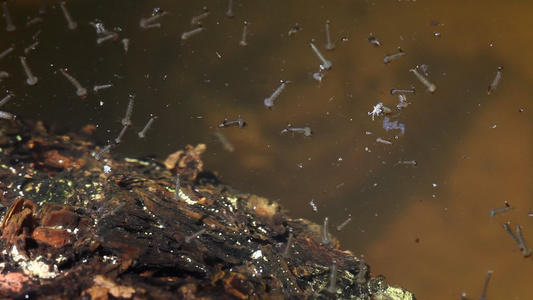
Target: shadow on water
425,227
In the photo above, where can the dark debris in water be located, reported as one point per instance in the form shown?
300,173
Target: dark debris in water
71,230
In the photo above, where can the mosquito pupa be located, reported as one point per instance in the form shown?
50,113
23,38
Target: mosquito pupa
146,22
99,154
326,238
126,43
96,88
31,80
243,41
239,122
387,59
197,19
431,87
189,238
269,102
373,41
31,47
71,24
177,193
188,34
495,82
485,287
306,131
142,133
394,91
332,289
80,91
229,12
326,64
288,246
6,52
118,139
340,227
329,46
361,275
9,23
127,118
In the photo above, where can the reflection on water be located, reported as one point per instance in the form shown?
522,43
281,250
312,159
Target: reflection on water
426,226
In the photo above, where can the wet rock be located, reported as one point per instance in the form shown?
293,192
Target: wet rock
73,230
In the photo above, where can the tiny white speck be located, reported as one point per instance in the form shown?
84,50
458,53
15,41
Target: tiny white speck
257,254
107,169
434,185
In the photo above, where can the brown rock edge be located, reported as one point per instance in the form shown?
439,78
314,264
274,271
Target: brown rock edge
71,230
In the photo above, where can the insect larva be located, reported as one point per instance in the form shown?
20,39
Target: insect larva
326,64
111,36
239,122
326,238
96,88
197,19
380,140
126,121
230,13
244,33
118,140
98,155
188,34
329,46
306,131
31,47
7,116
361,275
269,102
9,23
194,235
287,251
126,43
484,293
31,80
145,22
332,289
394,91
495,82
6,52
495,211
387,59
431,87
71,24
340,227
406,162
34,21
142,133
526,251
80,91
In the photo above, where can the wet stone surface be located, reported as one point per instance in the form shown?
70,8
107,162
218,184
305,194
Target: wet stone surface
72,230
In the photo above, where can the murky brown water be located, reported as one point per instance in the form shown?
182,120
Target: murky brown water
473,151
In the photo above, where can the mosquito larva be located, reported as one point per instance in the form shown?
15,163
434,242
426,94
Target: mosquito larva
495,82
406,162
380,140
197,19
332,289
239,122
269,102
243,41
31,47
330,46
287,250
340,227
9,23
34,37
126,43
188,34
306,131
34,21
111,36
194,235
32,80
526,251
96,88
484,293
71,24
224,141
118,140
431,87
98,155
7,116
496,211
145,22
387,59
230,13
361,275
80,91
142,133
127,119
510,232
177,193
326,238
394,91
155,25
5,99
6,52
326,64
